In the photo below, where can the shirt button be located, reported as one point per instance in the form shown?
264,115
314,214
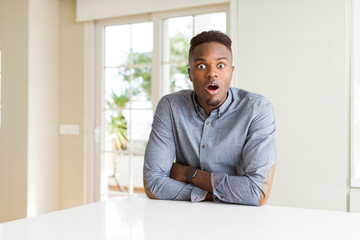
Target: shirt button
207,123
203,146
222,196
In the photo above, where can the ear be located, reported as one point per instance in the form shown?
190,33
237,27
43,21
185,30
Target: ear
188,70
232,71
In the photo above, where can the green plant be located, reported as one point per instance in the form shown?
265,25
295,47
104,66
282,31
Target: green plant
117,128
179,52
117,125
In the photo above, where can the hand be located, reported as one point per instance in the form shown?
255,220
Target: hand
178,172
209,197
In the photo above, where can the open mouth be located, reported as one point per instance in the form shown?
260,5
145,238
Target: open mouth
212,88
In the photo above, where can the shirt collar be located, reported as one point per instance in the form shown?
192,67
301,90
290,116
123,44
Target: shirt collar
219,111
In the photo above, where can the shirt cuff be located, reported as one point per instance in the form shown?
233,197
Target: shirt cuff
198,194
216,181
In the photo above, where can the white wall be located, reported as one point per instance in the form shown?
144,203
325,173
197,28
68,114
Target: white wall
355,200
295,53
43,104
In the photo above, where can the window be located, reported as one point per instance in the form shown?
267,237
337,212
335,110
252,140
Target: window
139,60
126,105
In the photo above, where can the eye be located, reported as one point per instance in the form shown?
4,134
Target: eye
221,65
201,66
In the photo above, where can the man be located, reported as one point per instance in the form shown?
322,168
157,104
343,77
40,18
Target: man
223,139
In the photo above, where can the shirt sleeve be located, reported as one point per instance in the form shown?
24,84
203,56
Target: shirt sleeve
159,158
258,156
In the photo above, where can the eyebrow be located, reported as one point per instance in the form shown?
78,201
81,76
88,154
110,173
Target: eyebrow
203,59
199,59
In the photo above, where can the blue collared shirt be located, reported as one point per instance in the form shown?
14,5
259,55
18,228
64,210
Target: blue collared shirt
236,143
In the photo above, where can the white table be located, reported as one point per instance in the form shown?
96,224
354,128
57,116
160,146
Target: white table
141,218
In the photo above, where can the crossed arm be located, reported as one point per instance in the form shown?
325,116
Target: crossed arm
203,180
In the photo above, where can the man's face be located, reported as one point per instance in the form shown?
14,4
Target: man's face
210,72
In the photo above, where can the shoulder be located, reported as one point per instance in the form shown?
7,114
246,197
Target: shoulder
250,104
176,100
254,107
183,95
180,97
241,96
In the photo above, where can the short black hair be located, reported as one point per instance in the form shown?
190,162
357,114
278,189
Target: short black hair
210,36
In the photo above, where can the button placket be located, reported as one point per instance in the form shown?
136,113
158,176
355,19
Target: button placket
203,143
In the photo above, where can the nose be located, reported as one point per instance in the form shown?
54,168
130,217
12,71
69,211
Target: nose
212,73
